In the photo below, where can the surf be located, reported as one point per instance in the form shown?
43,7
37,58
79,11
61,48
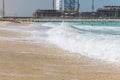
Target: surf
98,42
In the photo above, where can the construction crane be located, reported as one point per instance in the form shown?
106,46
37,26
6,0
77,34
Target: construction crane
53,4
3,8
92,5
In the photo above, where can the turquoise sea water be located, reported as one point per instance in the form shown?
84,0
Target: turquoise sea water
98,23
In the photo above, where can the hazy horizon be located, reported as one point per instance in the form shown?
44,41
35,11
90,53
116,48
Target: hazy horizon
27,7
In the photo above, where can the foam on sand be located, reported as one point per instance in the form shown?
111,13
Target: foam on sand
99,42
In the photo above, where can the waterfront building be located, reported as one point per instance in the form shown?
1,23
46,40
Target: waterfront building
88,14
105,12
67,5
46,13
58,7
109,11
64,8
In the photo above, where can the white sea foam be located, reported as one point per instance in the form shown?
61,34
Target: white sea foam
102,44
36,31
99,42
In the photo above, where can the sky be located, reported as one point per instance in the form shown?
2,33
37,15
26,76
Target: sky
27,7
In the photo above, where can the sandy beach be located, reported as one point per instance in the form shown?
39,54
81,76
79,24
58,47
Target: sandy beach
27,61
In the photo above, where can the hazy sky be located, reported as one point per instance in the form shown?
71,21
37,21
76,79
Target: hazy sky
27,7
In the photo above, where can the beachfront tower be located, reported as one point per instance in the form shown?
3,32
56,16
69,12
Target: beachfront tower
66,5
58,4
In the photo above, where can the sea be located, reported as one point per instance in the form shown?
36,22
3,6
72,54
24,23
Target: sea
96,40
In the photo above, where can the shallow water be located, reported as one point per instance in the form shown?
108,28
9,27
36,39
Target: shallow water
98,40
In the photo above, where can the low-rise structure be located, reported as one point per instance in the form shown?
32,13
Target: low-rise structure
105,12
54,13
46,13
109,11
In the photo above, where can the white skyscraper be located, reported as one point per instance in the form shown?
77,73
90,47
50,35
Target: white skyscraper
58,4
67,5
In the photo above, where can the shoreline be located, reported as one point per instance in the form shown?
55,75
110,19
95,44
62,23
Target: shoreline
32,20
29,61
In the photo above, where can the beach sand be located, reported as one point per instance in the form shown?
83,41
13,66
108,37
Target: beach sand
27,61
3,23
4,33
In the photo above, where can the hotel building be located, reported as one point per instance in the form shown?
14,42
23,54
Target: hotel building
65,5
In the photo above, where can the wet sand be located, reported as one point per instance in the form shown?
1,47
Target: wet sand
4,33
27,61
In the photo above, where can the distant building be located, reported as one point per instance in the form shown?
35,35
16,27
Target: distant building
109,11
105,12
58,3
64,8
67,5
70,8
46,13
88,14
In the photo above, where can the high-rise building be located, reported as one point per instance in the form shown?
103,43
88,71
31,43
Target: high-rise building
58,4
64,5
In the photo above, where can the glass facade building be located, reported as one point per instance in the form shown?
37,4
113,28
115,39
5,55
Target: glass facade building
64,5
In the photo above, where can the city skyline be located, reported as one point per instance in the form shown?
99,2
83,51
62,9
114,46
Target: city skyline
27,7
